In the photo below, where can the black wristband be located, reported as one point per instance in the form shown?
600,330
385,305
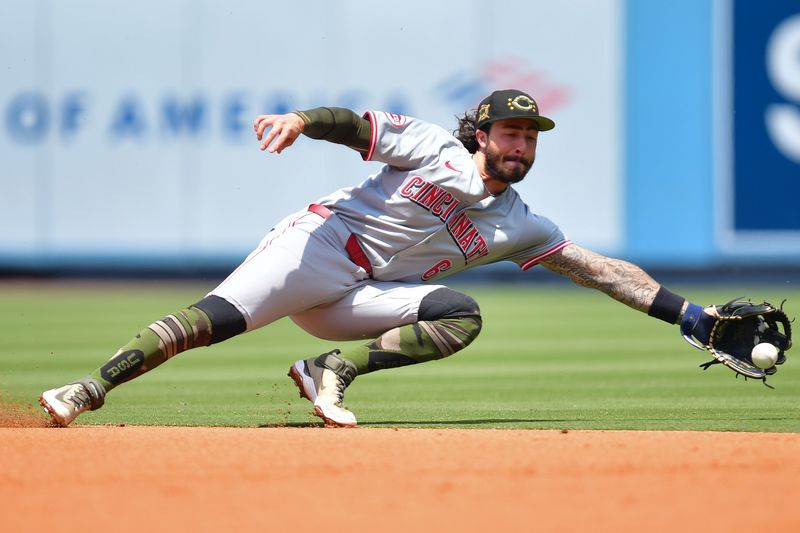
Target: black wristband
666,306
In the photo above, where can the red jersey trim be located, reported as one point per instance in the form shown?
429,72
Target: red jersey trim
373,139
353,248
532,262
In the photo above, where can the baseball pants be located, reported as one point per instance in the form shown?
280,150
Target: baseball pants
301,269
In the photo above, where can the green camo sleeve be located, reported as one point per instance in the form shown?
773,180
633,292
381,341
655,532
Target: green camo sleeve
337,125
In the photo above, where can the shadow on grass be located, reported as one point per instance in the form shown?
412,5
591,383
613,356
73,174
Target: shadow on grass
489,422
546,423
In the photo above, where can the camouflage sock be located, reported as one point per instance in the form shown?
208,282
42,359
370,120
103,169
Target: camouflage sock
415,343
161,340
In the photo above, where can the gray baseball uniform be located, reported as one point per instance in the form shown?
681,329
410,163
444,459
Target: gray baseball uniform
369,253
362,262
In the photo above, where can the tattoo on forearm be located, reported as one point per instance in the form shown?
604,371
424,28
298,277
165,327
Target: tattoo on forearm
619,279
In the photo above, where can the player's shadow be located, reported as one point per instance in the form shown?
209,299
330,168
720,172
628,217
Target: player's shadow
491,422
471,422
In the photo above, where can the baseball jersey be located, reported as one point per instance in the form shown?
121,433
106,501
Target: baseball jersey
426,213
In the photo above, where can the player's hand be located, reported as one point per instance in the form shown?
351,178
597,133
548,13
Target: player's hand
284,131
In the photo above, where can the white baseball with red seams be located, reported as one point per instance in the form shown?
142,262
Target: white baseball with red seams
424,215
764,355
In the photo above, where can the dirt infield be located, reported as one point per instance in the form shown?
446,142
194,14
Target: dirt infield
313,479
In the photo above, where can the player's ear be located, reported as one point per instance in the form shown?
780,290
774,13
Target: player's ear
482,137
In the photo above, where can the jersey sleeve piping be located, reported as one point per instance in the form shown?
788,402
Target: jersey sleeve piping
373,140
533,261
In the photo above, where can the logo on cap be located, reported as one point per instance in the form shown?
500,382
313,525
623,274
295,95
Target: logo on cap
522,102
483,112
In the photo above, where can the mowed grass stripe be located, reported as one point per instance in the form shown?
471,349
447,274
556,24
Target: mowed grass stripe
549,357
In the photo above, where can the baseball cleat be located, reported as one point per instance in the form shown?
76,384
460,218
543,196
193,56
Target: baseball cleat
65,403
322,381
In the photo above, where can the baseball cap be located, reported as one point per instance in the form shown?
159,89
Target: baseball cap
511,103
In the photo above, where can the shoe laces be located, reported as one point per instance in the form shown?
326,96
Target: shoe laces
78,396
340,386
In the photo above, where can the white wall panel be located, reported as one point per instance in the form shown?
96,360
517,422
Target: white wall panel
126,126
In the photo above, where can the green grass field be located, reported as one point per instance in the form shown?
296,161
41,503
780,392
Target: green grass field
549,356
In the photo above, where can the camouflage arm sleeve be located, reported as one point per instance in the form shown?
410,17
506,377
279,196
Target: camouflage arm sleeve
337,125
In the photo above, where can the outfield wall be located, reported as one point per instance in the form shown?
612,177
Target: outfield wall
126,140
712,132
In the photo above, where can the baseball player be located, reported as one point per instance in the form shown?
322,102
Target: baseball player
366,262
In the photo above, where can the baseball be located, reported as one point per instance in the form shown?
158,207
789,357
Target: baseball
764,355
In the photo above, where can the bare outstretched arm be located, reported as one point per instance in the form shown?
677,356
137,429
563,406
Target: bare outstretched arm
629,284
623,281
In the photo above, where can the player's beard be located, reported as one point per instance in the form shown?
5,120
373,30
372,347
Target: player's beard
495,169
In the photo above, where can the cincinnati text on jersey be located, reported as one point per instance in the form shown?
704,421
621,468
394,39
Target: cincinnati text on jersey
441,203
